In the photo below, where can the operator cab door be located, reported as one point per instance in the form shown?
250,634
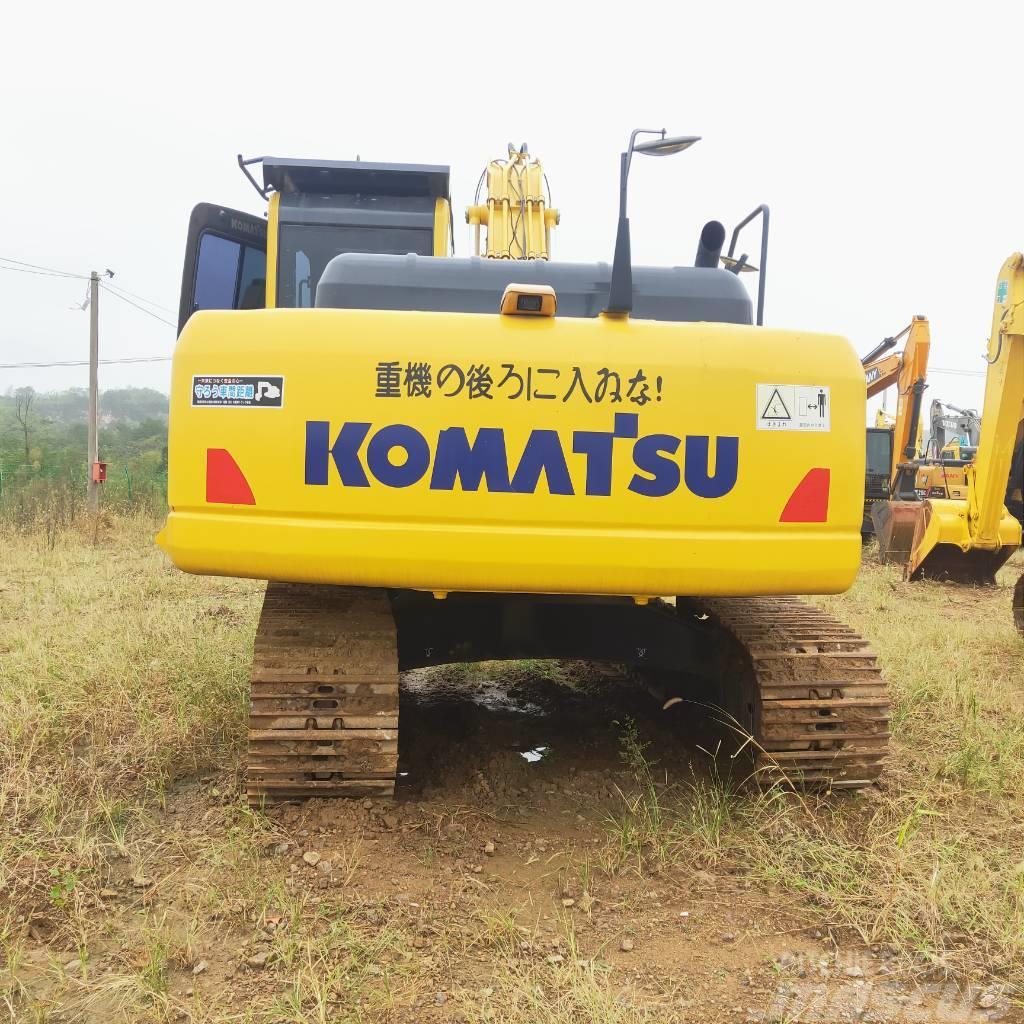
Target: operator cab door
879,462
225,262
879,452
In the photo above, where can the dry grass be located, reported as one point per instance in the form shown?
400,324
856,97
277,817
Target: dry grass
931,862
934,864
119,675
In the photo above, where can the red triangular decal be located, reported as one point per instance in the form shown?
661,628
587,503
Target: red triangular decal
225,482
809,502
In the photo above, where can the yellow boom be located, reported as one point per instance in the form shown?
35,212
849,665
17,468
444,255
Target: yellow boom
908,370
970,539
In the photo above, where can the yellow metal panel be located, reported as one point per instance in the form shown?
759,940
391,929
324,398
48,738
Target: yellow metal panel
697,405
442,225
272,236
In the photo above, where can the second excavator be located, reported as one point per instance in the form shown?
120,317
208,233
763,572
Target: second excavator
968,539
904,468
888,449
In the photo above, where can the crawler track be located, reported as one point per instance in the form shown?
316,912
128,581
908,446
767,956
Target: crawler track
324,708
324,711
809,690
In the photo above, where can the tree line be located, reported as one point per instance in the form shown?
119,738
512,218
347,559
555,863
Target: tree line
44,438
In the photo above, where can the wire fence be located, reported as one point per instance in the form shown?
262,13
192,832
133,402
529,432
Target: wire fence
56,494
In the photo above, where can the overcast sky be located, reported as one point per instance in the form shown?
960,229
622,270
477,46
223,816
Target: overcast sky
886,137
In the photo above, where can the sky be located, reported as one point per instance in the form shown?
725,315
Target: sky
885,138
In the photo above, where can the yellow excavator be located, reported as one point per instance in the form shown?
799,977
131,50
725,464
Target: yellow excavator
439,459
968,539
949,449
889,449
915,469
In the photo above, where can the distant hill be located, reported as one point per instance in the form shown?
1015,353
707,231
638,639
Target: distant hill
118,405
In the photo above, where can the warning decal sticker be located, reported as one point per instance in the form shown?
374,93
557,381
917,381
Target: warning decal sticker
793,407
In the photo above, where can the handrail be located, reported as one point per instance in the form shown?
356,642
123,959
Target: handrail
244,165
761,211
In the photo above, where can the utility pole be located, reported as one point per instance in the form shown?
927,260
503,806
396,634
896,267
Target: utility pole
94,358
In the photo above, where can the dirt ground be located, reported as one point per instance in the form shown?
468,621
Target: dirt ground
496,843
560,849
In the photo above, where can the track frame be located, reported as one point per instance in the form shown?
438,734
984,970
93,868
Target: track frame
799,689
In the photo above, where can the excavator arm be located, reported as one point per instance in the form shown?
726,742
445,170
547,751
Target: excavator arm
881,373
1004,406
969,540
908,370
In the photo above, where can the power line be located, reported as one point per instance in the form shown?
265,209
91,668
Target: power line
44,273
23,267
141,309
85,362
960,373
37,268
141,298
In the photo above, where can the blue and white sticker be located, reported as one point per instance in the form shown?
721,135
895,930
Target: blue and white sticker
230,392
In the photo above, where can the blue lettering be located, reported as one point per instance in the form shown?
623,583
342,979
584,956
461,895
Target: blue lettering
695,465
543,453
457,459
457,462
597,446
417,455
648,458
344,451
627,424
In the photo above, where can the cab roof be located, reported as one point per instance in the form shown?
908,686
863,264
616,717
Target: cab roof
353,177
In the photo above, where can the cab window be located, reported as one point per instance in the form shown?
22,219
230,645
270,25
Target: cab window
229,274
879,454
306,249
